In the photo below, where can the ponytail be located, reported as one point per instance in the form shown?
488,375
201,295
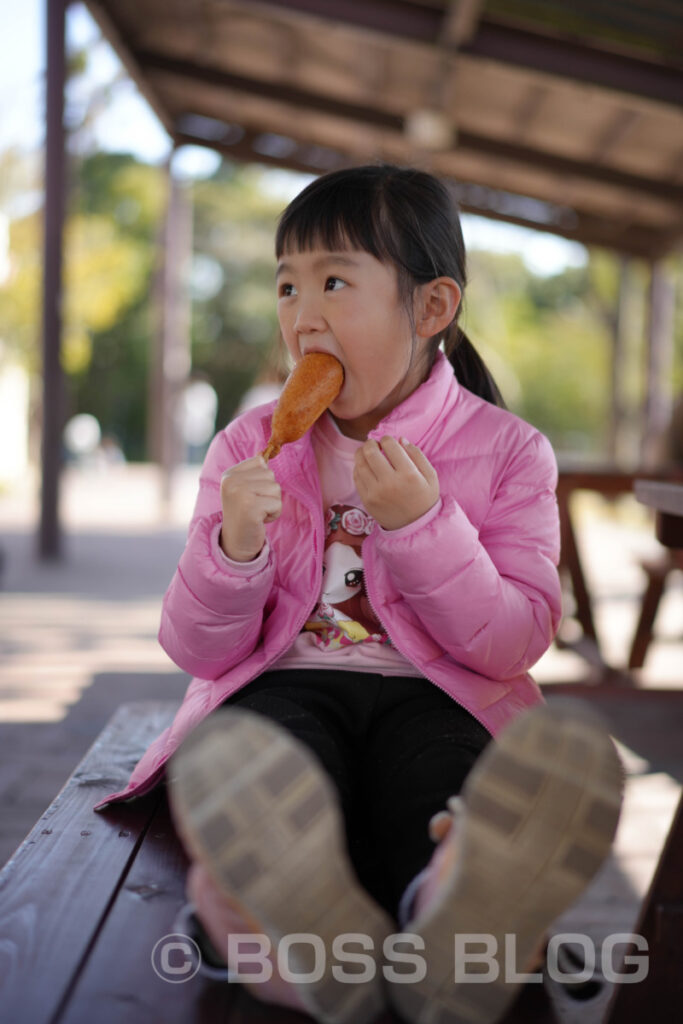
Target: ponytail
469,368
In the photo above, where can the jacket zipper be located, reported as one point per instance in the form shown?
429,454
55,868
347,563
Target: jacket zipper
426,674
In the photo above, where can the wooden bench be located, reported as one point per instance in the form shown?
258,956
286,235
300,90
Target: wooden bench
87,897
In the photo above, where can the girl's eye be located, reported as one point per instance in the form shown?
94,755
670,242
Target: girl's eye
333,284
285,290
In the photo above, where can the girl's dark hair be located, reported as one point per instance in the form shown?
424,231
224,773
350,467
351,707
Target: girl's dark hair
399,215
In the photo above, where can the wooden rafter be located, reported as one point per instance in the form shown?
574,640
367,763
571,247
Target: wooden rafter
505,44
317,84
302,102
460,22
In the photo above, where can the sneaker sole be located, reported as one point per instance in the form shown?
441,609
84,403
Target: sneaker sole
541,810
254,806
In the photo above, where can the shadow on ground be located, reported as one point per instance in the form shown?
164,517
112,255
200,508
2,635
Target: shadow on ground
109,566
36,758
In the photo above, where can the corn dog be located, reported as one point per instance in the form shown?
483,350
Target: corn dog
311,387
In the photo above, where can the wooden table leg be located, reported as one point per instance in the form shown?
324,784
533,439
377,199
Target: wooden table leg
642,638
659,996
588,645
570,560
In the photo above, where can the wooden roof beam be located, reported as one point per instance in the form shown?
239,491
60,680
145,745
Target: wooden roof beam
460,22
640,242
405,18
367,116
281,91
563,59
529,109
613,133
503,44
576,168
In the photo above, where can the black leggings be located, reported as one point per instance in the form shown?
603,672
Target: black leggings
396,748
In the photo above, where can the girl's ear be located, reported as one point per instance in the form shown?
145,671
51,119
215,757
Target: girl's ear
437,303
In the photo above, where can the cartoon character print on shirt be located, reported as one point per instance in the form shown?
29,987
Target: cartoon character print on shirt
344,615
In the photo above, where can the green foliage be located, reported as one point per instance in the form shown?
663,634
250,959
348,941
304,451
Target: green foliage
20,299
546,345
234,321
106,271
114,386
133,194
110,259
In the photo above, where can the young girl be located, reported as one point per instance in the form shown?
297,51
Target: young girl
367,606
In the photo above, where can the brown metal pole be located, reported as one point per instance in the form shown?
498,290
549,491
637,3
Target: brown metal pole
155,390
49,540
171,360
616,440
659,389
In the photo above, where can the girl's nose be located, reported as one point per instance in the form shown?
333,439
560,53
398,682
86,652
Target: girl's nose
308,317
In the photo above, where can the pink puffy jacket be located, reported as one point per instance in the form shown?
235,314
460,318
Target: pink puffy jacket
470,594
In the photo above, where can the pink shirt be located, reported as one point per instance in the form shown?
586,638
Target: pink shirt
343,632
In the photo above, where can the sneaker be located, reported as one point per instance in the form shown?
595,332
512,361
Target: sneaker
538,816
256,810
211,965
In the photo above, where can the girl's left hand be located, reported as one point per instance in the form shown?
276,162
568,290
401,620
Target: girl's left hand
396,482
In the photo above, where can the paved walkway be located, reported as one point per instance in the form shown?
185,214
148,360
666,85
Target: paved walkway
78,637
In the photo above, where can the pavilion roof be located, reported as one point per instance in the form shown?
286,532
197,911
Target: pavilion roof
564,117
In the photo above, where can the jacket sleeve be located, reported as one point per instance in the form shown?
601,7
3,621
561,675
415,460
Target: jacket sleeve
212,612
489,597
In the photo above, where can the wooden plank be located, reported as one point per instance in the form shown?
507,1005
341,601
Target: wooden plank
56,889
667,499
655,997
119,977
660,494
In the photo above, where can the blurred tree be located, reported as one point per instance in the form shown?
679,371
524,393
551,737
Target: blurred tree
234,321
20,196
118,204
546,343
20,292
115,213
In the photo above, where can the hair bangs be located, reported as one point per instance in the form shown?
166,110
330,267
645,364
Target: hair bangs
335,219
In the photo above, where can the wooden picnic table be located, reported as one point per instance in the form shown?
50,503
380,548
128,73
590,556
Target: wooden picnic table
609,482
660,996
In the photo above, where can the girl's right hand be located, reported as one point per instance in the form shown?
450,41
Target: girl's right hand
251,497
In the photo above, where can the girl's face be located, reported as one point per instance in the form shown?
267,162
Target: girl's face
347,304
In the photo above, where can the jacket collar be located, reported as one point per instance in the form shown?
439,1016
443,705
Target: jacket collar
413,418
416,414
